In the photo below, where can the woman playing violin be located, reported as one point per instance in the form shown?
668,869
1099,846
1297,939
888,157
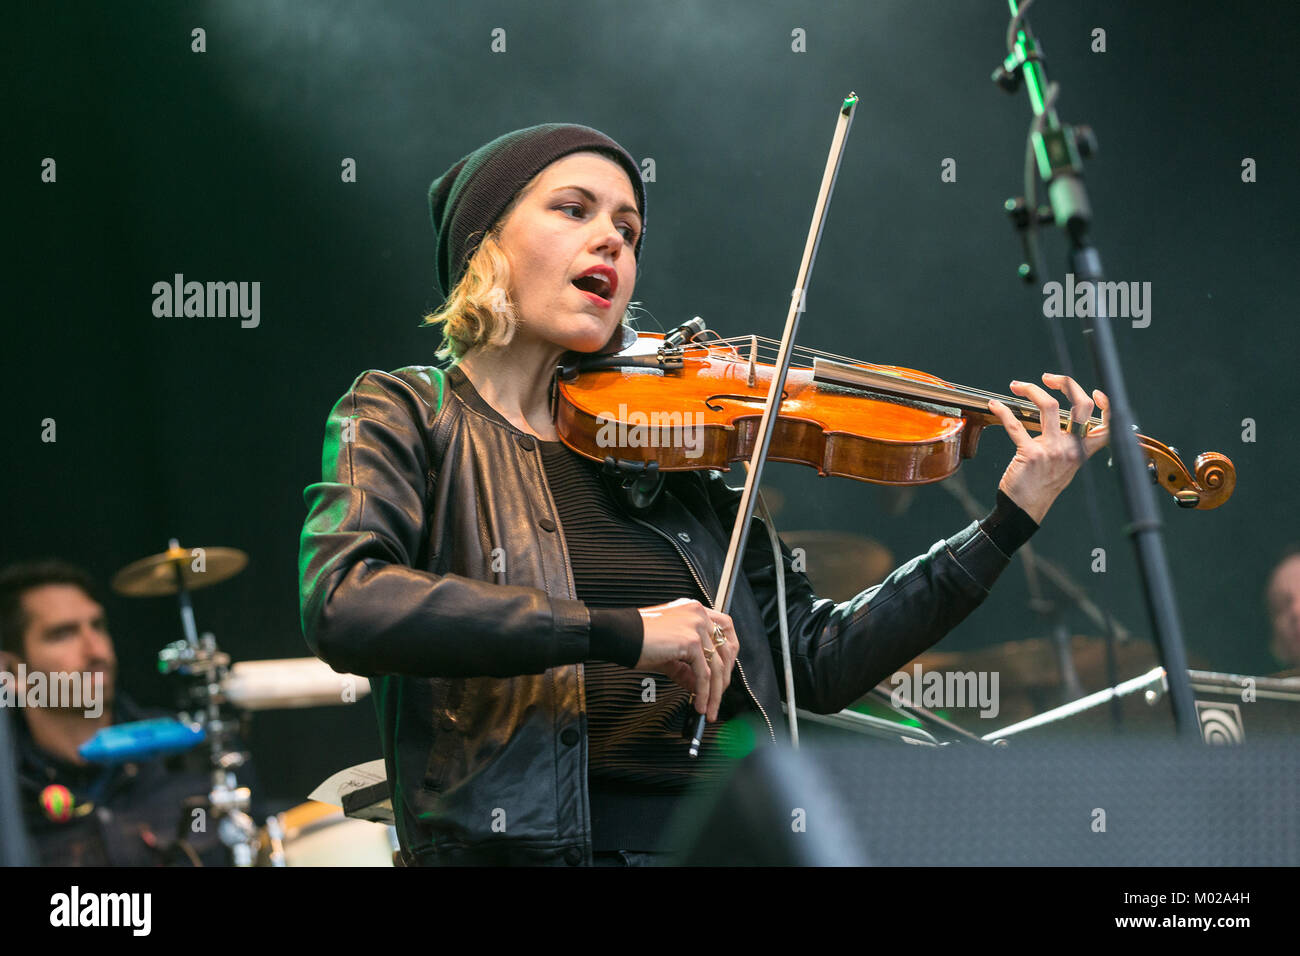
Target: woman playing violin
536,645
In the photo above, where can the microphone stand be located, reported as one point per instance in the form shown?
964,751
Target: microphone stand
1059,150
14,849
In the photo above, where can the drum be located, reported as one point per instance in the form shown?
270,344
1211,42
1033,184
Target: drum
318,834
295,682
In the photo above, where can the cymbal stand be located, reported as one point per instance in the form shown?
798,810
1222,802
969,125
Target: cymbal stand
207,667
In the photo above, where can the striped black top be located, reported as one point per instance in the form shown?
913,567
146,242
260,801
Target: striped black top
638,763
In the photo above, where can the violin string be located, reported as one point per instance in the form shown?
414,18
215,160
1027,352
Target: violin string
798,349
768,348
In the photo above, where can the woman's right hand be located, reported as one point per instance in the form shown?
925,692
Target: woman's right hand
676,635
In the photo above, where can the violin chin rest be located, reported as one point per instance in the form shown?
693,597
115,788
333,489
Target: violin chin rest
624,337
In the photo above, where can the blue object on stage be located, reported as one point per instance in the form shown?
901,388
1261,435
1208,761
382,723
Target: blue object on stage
141,740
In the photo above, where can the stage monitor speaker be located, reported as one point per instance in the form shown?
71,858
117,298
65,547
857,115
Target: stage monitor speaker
1110,802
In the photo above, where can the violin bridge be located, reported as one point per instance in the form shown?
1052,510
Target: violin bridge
753,358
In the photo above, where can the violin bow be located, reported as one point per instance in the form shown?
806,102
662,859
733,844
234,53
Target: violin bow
754,474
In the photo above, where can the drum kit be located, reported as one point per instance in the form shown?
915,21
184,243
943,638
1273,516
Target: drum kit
218,694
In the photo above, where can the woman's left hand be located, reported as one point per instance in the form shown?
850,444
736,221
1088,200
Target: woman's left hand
1044,465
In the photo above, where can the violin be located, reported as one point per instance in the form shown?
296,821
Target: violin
676,404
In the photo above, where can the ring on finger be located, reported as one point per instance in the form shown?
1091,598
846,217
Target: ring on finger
1078,429
719,639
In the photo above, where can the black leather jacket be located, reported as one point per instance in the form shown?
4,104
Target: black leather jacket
432,559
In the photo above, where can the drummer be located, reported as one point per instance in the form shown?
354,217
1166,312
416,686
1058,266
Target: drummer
54,632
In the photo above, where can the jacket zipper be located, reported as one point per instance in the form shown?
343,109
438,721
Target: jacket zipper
705,591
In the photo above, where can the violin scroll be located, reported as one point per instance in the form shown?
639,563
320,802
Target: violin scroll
1211,486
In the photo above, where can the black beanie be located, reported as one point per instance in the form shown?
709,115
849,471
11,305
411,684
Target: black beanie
468,199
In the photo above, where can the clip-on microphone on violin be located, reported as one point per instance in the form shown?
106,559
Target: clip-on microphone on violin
686,332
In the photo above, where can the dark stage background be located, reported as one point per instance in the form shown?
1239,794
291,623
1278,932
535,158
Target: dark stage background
225,166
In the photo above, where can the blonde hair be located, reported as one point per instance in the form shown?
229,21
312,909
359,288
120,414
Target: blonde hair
480,312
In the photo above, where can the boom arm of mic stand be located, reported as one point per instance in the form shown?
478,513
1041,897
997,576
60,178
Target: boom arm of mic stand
925,716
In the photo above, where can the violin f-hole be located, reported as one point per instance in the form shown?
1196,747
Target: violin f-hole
751,399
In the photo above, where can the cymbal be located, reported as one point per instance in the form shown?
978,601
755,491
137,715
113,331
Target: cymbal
840,564
155,576
1033,662
1030,679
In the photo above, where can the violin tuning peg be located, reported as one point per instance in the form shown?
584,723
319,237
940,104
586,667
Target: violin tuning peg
1187,499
